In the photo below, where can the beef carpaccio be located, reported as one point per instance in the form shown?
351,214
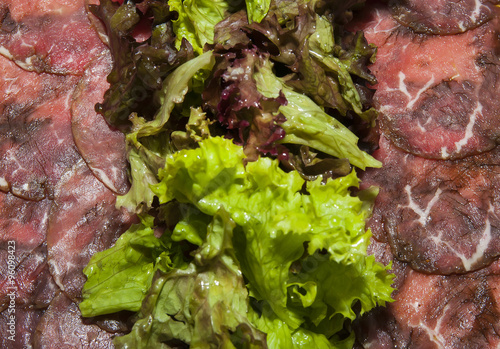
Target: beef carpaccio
61,167
436,217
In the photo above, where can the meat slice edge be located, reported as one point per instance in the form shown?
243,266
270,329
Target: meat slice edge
42,42
83,220
36,143
101,146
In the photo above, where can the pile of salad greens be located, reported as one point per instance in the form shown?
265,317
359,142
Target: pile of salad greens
240,120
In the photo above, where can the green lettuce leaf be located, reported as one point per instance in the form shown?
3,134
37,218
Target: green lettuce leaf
277,219
119,278
197,19
268,251
279,335
240,253
308,124
140,196
174,89
197,128
322,48
148,142
205,303
257,9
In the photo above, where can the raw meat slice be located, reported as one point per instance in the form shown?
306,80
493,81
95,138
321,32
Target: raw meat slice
62,326
41,42
442,16
102,147
33,283
23,229
20,9
437,97
25,321
436,94
436,311
440,216
83,220
36,143
52,207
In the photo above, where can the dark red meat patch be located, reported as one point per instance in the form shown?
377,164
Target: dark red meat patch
62,325
437,215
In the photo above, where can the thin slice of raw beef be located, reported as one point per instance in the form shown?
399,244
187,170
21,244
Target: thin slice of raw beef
437,215
25,320
61,43
54,205
102,146
34,286
440,216
442,16
36,143
20,9
23,230
83,220
435,311
62,326
437,94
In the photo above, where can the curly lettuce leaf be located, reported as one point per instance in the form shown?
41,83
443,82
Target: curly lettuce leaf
174,89
318,73
197,19
197,128
207,302
320,58
277,220
251,119
252,256
280,335
268,253
351,60
148,142
119,278
140,196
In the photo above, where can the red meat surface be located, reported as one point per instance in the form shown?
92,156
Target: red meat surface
436,218
436,94
58,192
